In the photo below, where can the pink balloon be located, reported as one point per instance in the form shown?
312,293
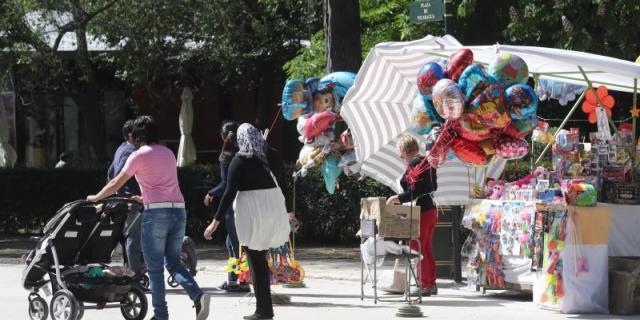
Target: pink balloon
318,123
448,99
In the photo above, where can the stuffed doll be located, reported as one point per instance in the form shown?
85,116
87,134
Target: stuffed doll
498,191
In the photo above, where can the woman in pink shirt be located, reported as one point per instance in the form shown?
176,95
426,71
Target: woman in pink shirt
164,218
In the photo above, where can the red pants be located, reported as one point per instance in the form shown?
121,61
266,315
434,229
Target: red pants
427,271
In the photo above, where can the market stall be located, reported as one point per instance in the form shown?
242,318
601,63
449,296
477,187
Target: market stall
546,232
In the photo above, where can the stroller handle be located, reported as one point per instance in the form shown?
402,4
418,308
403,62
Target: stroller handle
136,206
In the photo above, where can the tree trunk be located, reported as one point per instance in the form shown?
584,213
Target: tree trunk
88,100
342,35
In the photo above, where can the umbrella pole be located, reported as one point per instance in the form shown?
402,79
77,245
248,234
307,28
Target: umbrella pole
564,122
635,105
590,87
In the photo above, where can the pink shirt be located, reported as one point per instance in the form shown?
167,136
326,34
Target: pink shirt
155,169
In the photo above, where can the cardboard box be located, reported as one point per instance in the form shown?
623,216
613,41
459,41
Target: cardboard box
400,221
393,221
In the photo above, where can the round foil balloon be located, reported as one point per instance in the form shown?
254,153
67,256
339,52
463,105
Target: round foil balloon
521,128
428,76
510,149
448,99
522,101
489,108
509,69
422,116
471,130
469,152
473,80
457,63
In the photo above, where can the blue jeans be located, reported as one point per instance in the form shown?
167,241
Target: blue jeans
133,243
162,235
232,243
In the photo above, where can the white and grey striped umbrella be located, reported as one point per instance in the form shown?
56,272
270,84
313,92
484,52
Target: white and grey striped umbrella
378,110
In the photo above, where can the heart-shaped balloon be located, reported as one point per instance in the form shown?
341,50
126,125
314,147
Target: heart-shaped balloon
423,117
457,63
509,69
469,152
471,130
488,146
473,80
448,99
510,149
428,76
522,101
521,128
489,107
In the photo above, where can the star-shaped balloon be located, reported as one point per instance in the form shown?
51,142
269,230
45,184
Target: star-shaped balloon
635,112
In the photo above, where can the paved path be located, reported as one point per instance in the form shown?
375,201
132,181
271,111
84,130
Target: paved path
332,292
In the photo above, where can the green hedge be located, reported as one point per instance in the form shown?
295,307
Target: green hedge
31,196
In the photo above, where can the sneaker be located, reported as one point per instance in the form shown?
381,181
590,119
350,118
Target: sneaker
202,306
256,316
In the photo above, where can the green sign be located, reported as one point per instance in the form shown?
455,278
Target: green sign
426,11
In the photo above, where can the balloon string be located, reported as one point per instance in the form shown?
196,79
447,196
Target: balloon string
275,120
440,147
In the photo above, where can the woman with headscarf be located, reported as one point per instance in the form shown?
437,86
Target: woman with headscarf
261,216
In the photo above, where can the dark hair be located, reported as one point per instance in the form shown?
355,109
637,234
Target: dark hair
127,128
145,130
230,145
227,127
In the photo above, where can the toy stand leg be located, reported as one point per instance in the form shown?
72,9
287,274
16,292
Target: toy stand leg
412,273
368,231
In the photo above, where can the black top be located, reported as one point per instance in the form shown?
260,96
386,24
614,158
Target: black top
250,174
425,185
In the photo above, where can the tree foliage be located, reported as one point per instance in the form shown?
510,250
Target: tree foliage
605,27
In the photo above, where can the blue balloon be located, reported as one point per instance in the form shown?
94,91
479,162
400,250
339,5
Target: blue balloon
522,101
340,82
473,80
296,99
330,173
423,115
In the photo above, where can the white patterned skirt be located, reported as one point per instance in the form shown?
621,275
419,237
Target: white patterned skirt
261,218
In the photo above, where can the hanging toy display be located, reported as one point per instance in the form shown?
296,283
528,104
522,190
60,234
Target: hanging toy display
315,104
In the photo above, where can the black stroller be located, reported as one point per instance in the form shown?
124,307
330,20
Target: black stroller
75,253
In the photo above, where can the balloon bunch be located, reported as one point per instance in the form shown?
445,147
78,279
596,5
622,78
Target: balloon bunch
483,112
315,104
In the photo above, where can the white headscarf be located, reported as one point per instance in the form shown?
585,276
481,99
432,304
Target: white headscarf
251,143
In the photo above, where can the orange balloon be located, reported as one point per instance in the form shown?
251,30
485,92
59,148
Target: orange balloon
608,101
592,118
587,107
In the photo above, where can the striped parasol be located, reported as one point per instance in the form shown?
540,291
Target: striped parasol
378,110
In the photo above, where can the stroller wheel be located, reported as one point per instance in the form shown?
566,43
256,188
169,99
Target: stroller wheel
80,310
64,306
38,309
172,282
135,305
